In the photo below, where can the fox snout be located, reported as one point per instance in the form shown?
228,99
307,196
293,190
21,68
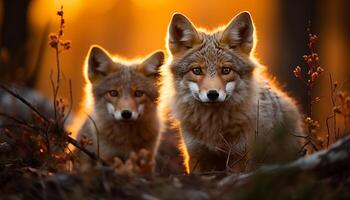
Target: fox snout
211,94
126,113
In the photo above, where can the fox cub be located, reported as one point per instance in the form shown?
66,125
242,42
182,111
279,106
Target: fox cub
223,104
124,104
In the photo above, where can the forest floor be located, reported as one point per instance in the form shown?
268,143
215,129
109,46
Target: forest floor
323,175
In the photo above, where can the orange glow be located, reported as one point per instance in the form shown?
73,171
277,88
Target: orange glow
71,7
134,27
85,106
131,28
185,155
149,3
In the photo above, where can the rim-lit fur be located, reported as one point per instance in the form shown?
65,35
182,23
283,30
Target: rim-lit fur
118,86
226,127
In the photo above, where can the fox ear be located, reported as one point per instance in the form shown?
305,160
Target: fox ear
99,62
239,33
182,34
151,65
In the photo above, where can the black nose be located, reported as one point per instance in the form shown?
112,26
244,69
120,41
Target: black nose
212,95
126,114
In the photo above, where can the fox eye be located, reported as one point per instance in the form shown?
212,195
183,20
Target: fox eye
113,93
226,70
196,71
138,93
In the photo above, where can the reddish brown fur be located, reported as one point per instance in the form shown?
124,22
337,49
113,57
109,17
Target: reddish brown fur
118,86
224,131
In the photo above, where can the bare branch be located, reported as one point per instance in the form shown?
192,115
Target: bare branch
97,134
24,101
92,155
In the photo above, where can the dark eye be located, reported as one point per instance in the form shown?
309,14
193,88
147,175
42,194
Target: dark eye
138,93
113,93
226,70
196,71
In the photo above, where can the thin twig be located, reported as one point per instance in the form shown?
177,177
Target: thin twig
69,139
328,131
302,148
58,68
97,134
18,121
333,104
92,155
71,102
195,166
24,101
313,145
241,158
54,97
299,136
228,159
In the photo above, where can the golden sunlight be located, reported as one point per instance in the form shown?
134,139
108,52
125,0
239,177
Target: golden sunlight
133,28
170,99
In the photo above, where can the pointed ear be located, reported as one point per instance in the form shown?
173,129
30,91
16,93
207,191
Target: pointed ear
182,35
151,65
99,62
239,33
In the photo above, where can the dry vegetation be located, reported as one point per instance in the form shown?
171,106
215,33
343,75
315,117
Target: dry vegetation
36,163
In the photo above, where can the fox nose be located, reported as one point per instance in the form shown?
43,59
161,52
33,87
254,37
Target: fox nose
126,114
212,95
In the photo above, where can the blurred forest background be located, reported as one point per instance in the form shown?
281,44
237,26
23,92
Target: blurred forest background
132,28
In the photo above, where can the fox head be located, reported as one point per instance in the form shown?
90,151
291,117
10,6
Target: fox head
123,91
212,67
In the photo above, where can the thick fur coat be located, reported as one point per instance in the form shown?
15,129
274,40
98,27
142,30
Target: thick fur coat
124,116
224,106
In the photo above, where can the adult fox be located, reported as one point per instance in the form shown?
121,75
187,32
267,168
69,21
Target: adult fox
214,91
